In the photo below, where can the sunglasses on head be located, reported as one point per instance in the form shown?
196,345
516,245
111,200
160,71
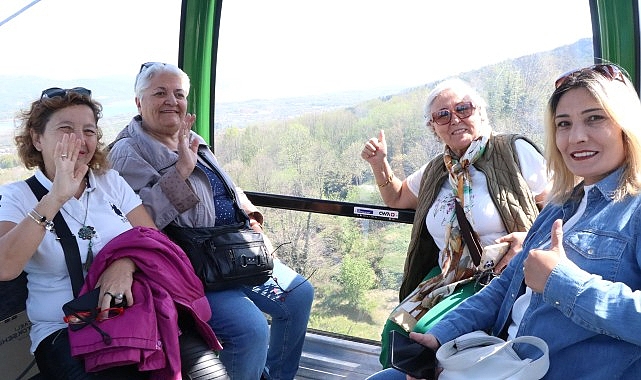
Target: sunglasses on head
462,110
147,65
57,91
611,72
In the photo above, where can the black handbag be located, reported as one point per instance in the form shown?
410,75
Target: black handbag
225,256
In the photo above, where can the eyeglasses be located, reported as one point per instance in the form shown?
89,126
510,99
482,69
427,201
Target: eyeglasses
57,91
147,65
98,315
462,110
610,71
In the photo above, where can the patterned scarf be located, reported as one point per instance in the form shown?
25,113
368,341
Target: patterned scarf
456,264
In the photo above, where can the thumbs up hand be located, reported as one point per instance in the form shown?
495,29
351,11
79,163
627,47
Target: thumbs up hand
375,150
539,263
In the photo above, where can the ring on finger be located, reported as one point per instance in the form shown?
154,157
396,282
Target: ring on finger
109,294
118,296
64,155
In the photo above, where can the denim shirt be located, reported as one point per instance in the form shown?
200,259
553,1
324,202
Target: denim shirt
590,311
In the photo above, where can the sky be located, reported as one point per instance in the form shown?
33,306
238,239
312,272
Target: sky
426,40
64,39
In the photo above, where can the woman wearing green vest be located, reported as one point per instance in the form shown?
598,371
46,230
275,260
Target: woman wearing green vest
500,180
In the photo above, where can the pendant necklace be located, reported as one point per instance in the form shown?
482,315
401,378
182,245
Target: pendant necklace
86,233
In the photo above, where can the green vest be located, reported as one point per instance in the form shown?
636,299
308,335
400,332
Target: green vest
507,187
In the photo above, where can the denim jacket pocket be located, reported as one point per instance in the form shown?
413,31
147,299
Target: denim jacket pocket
597,252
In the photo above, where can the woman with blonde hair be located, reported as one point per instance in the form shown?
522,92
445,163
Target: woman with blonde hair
581,260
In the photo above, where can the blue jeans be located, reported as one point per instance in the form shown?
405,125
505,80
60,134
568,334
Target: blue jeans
239,322
388,374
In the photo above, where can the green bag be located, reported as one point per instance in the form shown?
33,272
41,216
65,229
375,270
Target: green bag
428,320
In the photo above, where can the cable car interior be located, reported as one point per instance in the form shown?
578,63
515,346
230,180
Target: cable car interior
286,93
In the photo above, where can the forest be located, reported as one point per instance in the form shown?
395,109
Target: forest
356,264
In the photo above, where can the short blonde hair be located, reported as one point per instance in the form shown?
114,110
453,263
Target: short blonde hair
620,101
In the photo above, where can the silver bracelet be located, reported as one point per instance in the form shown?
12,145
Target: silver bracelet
41,220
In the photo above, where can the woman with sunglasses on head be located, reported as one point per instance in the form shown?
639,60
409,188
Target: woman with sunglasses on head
161,158
576,282
60,138
500,181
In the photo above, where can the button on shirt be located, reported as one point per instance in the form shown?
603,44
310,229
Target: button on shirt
522,302
48,278
588,313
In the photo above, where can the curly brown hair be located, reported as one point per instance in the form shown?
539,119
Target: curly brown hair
36,118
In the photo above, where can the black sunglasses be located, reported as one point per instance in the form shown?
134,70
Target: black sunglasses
147,65
610,71
57,91
462,110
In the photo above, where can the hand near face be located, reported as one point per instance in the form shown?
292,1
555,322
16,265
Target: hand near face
539,263
375,150
187,157
68,178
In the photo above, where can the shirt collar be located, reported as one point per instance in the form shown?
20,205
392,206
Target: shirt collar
607,186
46,182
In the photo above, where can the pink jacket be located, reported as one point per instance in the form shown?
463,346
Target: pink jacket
146,334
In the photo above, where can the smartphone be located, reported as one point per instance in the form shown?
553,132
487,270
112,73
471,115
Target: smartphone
412,358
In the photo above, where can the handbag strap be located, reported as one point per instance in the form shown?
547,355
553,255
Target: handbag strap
538,366
469,236
243,215
66,239
448,359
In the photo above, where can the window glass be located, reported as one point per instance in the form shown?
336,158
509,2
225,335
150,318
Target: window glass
68,43
301,86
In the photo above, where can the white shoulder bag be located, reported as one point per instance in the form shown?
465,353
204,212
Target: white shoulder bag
480,356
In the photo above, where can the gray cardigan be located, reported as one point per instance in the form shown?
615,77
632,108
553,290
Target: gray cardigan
150,169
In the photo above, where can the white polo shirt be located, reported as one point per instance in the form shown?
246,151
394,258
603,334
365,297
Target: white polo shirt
105,203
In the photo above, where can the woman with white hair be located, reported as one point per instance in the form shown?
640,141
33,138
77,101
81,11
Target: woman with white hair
500,181
182,184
